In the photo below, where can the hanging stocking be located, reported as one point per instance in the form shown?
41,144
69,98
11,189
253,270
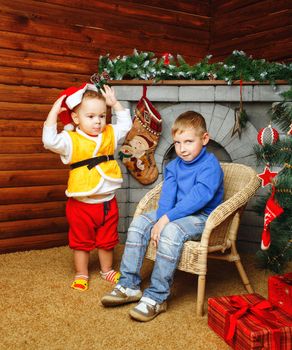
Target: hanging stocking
137,151
272,211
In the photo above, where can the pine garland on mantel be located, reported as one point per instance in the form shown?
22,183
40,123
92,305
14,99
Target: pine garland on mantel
146,66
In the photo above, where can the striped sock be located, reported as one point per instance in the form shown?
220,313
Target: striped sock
111,276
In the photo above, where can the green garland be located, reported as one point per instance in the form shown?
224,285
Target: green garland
146,66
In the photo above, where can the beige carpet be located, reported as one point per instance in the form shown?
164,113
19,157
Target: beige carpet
40,311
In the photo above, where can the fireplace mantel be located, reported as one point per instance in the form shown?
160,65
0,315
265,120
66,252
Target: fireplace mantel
199,90
191,82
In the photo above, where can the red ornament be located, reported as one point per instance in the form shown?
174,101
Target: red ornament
266,176
290,130
272,211
166,57
268,136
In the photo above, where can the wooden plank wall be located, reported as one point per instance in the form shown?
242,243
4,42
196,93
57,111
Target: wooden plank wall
262,29
46,46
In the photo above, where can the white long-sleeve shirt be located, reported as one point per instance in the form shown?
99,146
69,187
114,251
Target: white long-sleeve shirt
61,143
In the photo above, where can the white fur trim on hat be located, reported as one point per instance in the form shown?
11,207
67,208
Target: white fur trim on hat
69,127
76,98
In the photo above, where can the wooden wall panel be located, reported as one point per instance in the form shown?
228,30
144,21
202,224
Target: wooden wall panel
115,25
23,111
45,47
48,45
10,229
262,29
47,62
23,178
33,242
35,161
27,211
34,194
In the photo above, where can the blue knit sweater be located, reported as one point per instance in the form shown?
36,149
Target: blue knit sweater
191,187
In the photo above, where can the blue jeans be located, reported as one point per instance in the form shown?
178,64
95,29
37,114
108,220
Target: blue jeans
169,250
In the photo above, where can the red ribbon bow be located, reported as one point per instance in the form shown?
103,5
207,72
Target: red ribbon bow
166,56
259,309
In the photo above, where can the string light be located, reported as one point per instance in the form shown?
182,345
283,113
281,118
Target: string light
276,258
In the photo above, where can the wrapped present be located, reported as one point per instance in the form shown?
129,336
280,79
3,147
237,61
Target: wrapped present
280,291
249,321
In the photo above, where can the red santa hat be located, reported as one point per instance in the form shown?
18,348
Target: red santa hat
74,97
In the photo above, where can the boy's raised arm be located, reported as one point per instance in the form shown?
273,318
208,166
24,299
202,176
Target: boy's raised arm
124,121
110,98
55,111
51,139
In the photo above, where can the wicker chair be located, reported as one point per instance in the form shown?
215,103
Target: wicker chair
219,237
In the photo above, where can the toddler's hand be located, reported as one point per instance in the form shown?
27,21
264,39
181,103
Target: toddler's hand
56,108
109,94
55,111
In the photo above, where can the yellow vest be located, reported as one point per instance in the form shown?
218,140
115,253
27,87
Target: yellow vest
85,182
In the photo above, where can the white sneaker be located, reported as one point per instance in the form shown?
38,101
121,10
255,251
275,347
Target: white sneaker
147,309
120,296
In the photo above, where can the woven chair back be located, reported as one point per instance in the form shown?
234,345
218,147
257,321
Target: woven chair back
237,178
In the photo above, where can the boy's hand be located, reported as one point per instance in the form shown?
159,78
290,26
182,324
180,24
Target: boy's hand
157,228
56,108
55,111
110,98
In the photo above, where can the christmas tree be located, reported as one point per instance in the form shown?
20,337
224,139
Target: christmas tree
276,153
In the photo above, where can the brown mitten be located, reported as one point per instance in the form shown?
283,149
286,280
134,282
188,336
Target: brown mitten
137,151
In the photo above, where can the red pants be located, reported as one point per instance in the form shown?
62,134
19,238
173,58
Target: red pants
92,225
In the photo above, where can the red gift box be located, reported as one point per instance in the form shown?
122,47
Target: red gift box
250,322
280,291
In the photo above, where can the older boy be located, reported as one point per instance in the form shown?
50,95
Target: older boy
192,188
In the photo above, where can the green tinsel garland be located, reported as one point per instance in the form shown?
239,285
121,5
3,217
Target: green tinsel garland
146,66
